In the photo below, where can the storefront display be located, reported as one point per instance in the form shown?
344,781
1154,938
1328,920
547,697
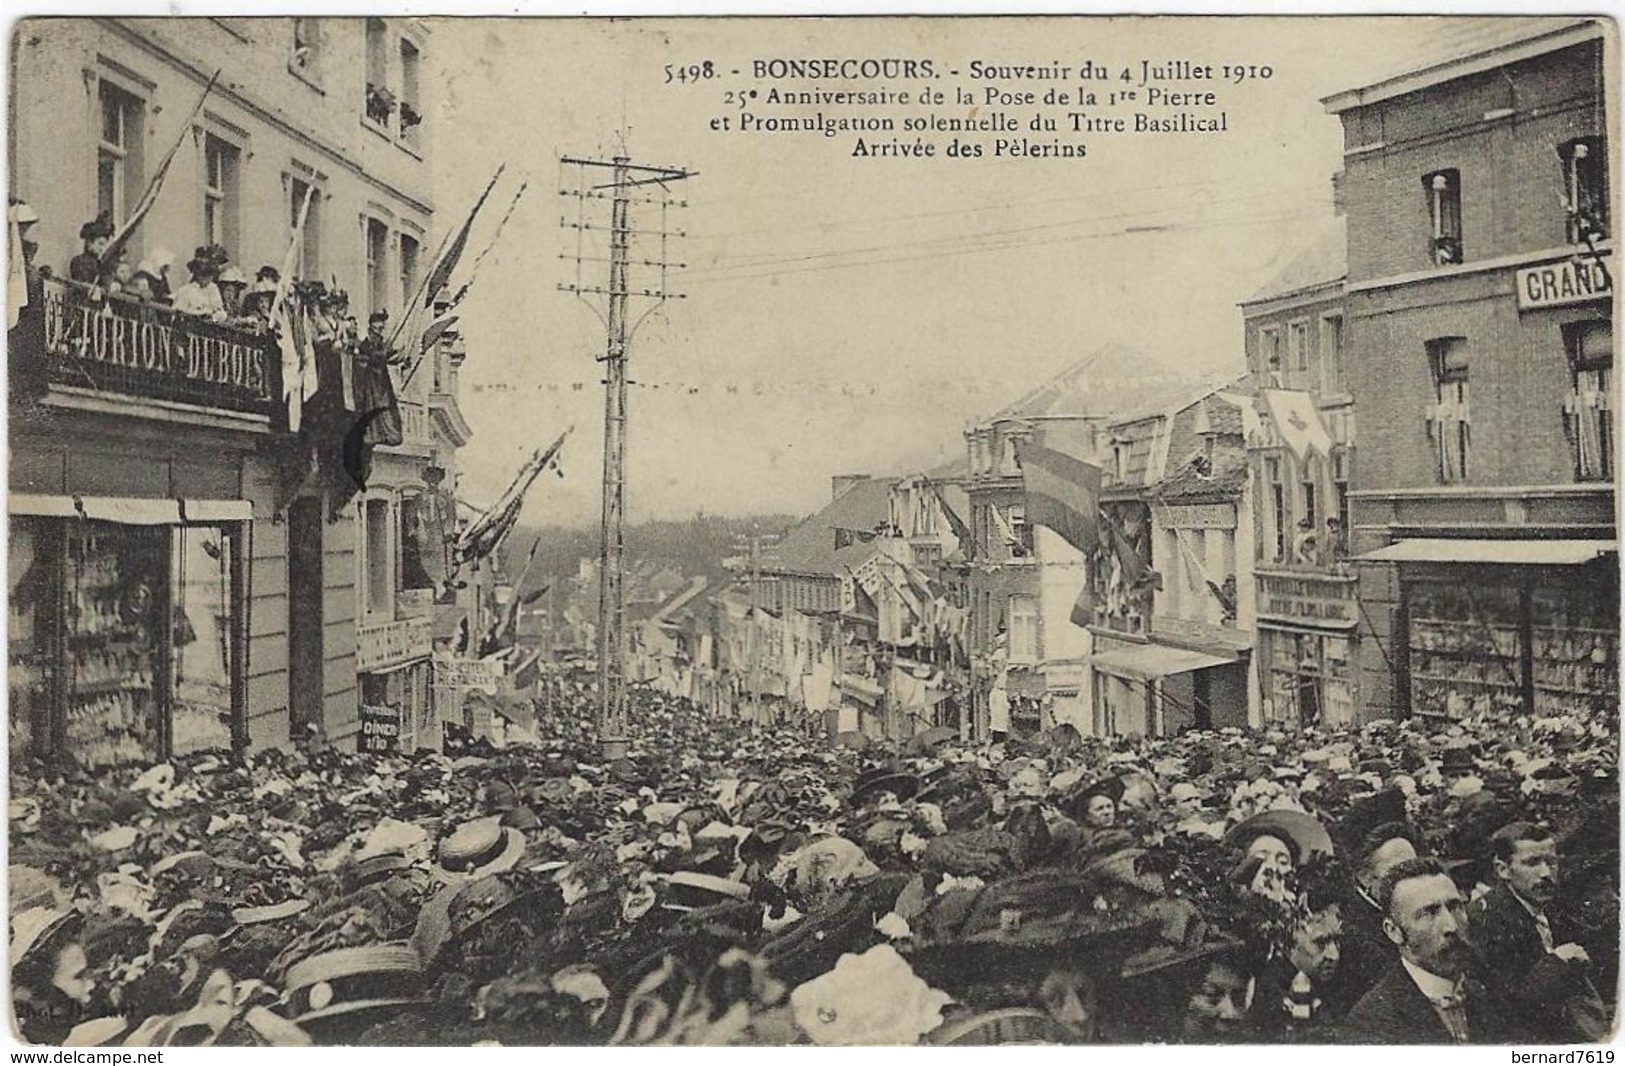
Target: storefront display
1545,642
1309,680
125,636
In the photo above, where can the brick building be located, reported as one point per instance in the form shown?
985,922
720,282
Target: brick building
1477,190
153,472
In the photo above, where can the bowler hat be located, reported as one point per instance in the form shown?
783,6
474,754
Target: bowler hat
878,779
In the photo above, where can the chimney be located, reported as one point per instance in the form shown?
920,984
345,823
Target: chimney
841,483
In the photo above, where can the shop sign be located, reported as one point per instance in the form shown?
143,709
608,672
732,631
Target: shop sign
1199,516
384,644
1309,600
380,730
1568,281
485,675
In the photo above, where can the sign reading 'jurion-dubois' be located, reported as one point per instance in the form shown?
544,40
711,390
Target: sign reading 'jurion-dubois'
1566,282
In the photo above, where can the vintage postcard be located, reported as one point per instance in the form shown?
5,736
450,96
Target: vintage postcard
937,530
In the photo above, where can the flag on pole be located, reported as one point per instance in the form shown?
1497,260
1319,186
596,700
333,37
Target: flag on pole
454,251
1063,493
299,379
149,196
487,532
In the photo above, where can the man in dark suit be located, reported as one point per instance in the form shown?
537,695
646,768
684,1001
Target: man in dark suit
1426,996
1376,837
1530,965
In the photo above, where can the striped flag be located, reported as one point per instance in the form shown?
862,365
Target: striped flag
1063,493
149,196
454,251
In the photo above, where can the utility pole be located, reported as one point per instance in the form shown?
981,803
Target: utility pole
625,175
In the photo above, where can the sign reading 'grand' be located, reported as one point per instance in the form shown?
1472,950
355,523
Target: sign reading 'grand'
1567,282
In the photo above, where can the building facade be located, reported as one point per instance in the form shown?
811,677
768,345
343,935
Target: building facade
153,471
1479,301
1300,451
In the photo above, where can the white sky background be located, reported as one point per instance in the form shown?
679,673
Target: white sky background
948,287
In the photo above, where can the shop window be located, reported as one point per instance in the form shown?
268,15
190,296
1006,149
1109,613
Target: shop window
1466,646
1587,416
123,641
118,152
221,201
1334,374
1585,188
377,266
305,55
1443,189
1449,418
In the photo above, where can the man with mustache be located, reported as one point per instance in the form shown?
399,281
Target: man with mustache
1426,997
1528,968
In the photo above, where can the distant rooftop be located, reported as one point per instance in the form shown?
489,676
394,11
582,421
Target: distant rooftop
1435,50
1322,260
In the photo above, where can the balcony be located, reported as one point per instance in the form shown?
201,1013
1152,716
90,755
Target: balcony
417,430
152,353
395,642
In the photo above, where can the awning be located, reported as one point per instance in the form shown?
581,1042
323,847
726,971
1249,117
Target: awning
1505,552
131,511
1155,660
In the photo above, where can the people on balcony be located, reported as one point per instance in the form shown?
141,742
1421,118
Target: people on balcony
231,283
86,267
201,295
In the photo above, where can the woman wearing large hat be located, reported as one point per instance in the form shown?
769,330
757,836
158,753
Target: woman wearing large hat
86,267
201,295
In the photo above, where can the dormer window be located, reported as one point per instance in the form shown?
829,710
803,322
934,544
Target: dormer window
1444,208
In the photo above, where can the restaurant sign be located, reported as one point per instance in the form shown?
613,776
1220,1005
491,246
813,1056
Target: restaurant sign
380,730
1567,281
484,675
1314,600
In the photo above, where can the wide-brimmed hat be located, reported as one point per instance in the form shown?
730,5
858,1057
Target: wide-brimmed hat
232,276
35,929
1367,813
1301,832
21,214
688,890
878,779
1077,802
202,267
1183,940
481,846
352,980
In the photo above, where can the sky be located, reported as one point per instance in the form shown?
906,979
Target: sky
845,315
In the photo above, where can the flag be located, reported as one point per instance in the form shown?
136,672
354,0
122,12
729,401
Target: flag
531,597
16,274
1063,493
489,530
473,271
1298,422
454,251
149,196
431,336
961,530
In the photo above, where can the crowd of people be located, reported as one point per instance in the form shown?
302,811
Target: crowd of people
724,883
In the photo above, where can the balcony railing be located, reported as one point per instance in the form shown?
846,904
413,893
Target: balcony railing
136,349
390,643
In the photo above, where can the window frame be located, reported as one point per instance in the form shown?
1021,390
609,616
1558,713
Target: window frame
1593,147
129,152
1447,244
310,262
1333,374
229,198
